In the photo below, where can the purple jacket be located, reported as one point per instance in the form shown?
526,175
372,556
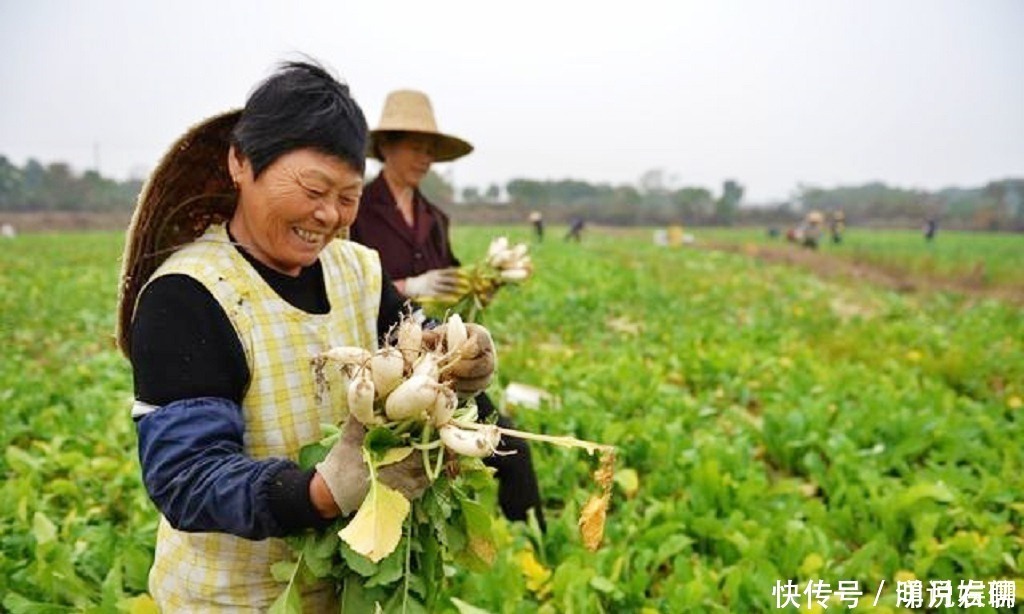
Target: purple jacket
404,251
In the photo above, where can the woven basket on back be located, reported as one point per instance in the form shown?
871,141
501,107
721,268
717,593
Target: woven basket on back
190,189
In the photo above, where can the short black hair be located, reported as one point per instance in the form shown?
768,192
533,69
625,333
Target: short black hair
301,105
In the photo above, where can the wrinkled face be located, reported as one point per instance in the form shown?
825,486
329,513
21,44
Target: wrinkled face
296,206
408,159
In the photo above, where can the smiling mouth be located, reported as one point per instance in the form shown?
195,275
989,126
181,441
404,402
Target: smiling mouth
313,238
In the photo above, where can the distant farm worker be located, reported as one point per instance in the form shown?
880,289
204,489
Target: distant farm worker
538,225
931,226
575,229
837,225
233,279
812,229
412,236
795,234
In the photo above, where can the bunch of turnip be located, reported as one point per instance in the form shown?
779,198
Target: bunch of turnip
504,264
405,395
512,262
407,386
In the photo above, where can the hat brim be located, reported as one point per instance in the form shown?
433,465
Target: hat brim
447,147
190,189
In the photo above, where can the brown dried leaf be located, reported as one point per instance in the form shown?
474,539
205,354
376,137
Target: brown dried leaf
592,521
605,473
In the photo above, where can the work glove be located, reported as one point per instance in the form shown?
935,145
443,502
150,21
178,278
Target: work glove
348,478
472,372
438,282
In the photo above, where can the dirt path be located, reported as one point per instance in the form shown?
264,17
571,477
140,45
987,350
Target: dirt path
65,221
831,266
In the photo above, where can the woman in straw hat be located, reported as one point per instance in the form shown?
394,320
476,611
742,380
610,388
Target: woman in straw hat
233,280
411,235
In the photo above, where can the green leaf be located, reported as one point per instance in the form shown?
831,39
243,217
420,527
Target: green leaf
474,474
628,481
390,569
330,430
672,546
913,495
394,455
379,440
64,488
376,528
21,461
357,562
329,441
430,566
356,598
602,584
466,608
112,591
312,454
283,571
16,604
137,562
43,529
288,602
480,538
319,553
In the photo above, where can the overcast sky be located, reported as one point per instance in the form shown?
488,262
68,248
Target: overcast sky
922,93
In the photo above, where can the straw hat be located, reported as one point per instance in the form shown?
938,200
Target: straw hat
190,189
815,217
411,111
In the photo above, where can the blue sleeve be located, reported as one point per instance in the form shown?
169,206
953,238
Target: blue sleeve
196,472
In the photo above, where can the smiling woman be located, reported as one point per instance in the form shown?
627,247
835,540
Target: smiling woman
234,278
299,204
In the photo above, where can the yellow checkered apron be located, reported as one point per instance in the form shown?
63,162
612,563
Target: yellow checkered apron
217,572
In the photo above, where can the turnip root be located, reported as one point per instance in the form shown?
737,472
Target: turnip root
333,369
514,274
347,355
429,365
361,397
386,367
412,398
410,340
444,406
455,332
497,248
476,443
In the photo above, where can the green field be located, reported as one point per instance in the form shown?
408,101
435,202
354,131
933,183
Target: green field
780,427
981,259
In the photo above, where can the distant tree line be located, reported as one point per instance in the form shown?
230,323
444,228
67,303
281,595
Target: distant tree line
999,205
56,187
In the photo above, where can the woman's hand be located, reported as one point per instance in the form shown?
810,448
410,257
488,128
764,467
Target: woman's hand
344,476
437,282
474,369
